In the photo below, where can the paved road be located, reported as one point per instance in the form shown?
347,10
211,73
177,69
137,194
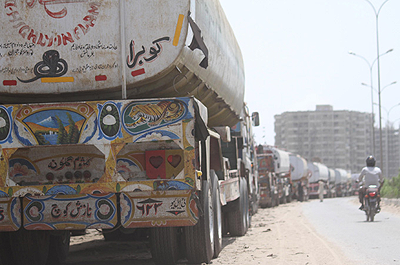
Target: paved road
340,221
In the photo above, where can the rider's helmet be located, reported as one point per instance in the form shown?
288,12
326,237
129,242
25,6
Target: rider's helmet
370,161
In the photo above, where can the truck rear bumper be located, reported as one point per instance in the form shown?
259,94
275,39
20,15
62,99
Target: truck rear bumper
105,211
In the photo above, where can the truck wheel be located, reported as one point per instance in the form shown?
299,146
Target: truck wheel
59,247
217,214
30,247
238,218
164,245
199,238
6,257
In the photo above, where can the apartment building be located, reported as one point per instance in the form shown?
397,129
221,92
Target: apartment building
336,138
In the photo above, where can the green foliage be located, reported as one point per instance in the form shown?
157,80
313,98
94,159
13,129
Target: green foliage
73,135
64,137
62,133
391,188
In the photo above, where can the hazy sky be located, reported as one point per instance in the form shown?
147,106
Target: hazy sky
296,55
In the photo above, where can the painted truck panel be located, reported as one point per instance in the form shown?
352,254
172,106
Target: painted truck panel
69,153
83,50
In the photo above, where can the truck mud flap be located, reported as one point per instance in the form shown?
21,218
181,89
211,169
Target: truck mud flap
10,214
164,208
66,212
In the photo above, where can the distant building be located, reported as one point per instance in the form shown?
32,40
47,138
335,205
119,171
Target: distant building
390,150
336,138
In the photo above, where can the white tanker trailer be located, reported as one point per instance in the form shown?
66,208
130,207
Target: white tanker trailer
331,183
340,181
318,172
107,118
300,176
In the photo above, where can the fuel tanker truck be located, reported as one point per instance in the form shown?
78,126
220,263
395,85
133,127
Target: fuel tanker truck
331,183
340,182
319,172
113,115
300,176
274,174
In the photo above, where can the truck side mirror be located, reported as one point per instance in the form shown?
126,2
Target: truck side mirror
256,119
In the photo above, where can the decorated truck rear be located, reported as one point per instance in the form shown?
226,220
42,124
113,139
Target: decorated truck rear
112,116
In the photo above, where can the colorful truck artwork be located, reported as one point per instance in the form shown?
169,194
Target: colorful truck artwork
122,115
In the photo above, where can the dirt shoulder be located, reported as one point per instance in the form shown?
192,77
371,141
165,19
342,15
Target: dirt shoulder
281,235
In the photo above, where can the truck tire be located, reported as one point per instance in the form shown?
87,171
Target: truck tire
199,239
164,245
238,218
59,247
217,214
6,257
30,247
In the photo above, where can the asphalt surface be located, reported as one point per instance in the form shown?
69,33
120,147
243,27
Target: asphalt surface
341,223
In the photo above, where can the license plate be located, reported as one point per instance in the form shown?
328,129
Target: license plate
66,212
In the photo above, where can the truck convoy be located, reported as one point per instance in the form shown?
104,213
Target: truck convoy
122,114
275,176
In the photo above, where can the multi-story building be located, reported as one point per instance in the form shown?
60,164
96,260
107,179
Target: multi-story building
336,138
390,150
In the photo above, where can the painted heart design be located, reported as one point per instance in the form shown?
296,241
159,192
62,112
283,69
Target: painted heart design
156,161
174,160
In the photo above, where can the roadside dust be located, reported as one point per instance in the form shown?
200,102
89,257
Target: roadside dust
280,235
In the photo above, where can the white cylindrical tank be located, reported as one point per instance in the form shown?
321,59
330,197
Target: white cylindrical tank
92,50
298,167
281,161
319,172
332,177
341,176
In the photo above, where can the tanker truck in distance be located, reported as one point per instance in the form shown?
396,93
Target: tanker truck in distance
300,177
275,176
319,172
114,115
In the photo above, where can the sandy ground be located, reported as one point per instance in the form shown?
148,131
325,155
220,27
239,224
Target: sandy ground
280,235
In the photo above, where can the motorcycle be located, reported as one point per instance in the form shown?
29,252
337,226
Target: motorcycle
371,202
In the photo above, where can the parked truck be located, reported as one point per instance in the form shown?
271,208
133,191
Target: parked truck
113,115
340,182
275,179
300,177
319,172
331,183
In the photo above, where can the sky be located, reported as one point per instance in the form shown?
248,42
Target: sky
296,56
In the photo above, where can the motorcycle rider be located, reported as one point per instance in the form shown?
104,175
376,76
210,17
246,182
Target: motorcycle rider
372,175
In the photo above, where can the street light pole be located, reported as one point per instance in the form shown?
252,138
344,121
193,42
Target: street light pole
370,66
387,139
379,77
